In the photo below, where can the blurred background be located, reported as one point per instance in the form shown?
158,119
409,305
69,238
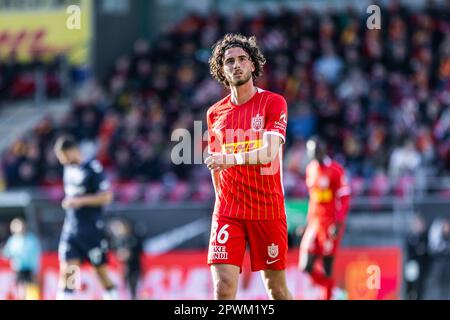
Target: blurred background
134,71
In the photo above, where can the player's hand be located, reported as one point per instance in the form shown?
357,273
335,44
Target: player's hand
334,230
218,162
71,203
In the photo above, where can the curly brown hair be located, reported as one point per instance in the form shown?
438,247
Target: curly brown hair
231,40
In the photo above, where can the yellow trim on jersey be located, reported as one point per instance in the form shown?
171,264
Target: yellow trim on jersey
320,195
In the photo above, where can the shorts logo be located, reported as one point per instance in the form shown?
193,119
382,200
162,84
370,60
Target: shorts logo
217,253
257,122
272,251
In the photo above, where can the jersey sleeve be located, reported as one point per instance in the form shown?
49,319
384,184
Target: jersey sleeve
276,117
213,139
97,181
342,193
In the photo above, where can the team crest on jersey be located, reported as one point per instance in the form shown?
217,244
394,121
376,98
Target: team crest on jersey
272,251
257,122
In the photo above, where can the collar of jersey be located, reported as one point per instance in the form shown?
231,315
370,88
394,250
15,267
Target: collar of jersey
258,90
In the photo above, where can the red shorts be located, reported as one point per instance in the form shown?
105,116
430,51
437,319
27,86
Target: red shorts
318,240
267,240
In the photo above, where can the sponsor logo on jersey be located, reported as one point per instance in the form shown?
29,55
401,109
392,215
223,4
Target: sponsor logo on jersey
321,195
239,147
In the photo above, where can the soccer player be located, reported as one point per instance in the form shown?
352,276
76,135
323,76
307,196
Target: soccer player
246,134
83,237
329,199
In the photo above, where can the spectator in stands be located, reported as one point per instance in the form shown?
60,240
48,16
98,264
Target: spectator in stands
329,65
24,252
404,159
21,80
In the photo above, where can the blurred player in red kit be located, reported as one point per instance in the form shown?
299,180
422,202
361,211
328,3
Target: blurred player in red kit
329,201
247,131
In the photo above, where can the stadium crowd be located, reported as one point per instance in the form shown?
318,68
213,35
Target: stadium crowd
381,98
19,80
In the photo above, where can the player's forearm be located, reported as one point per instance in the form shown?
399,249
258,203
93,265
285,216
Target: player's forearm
255,157
215,179
99,199
262,155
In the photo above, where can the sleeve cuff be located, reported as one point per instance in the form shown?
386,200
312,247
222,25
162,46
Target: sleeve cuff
345,191
275,134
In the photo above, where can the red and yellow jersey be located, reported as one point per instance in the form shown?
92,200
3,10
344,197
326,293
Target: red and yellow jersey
326,185
252,192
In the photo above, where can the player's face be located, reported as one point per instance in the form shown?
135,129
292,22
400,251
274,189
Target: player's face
237,66
17,226
68,157
315,150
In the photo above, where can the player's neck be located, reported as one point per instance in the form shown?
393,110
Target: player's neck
243,93
325,161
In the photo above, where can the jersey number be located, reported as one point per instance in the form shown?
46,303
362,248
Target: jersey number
223,235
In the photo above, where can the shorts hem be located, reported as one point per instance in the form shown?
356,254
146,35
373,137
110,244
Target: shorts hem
232,264
269,268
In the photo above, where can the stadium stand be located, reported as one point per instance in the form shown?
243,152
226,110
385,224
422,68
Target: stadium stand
381,98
